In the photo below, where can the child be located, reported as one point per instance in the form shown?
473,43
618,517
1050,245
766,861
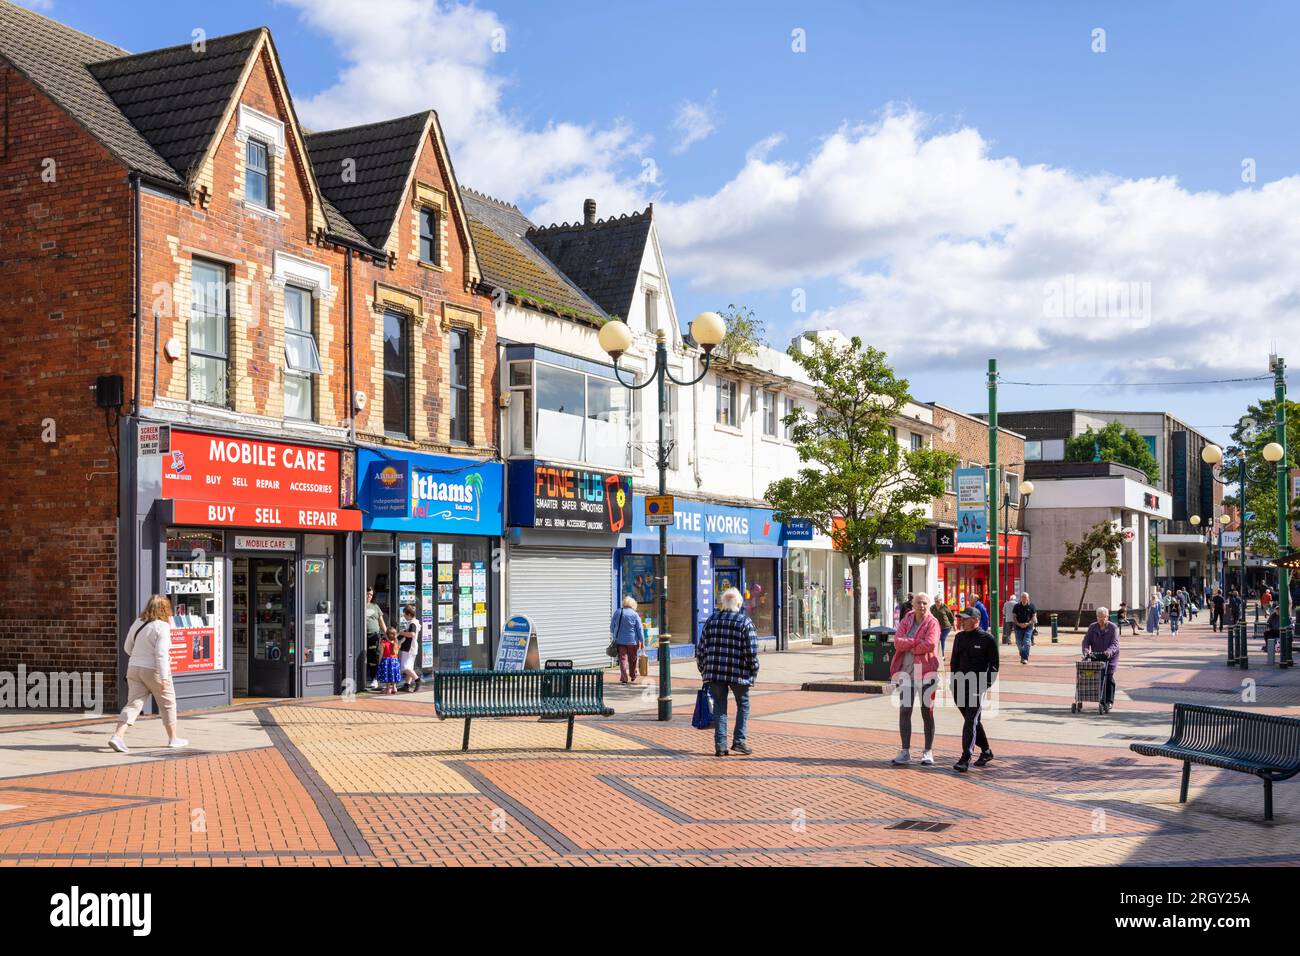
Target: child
410,649
389,670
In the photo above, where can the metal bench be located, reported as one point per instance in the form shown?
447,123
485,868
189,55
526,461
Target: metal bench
1265,745
553,693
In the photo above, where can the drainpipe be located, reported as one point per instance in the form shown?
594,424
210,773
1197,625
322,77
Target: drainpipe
695,429
134,180
347,286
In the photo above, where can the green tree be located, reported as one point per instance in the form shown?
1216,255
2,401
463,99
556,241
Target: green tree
1097,553
1115,442
745,333
858,484
1255,430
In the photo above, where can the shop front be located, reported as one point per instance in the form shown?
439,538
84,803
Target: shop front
564,523
711,547
964,574
249,539
819,588
432,538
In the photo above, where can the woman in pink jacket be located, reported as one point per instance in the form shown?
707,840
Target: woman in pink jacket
915,671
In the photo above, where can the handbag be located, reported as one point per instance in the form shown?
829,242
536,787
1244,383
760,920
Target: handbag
702,719
612,650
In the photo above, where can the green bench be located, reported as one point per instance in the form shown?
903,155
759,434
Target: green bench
553,693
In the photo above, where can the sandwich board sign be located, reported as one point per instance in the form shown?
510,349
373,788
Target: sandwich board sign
518,650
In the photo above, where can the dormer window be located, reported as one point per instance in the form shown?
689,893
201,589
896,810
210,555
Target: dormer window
257,173
430,252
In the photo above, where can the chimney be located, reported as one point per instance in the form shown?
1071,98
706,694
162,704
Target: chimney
589,212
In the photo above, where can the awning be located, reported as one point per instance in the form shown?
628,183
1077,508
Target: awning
730,550
1291,562
651,546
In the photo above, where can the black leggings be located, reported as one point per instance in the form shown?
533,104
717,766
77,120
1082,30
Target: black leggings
907,701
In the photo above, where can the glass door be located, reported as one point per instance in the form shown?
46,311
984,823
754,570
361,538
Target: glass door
271,627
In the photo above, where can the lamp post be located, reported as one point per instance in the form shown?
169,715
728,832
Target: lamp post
1281,460
615,338
1273,453
1026,489
1223,521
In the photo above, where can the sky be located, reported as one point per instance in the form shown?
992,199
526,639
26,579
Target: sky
1096,195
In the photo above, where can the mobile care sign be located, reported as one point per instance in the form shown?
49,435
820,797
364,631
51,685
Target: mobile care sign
244,482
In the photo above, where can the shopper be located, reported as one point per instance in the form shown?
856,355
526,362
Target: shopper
727,658
943,614
629,636
410,649
1026,618
1175,614
1008,619
1216,610
1236,607
914,670
390,671
982,609
974,669
1153,613
149,672
1103,639
376,627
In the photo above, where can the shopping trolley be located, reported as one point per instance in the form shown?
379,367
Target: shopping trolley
1090,676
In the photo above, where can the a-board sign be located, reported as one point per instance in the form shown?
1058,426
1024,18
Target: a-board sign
517,650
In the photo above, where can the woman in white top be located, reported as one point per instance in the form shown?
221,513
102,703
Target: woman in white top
149,672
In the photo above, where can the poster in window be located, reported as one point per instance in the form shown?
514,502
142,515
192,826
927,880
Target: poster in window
445,573
479,635
444,613
406,551
445,634
407,574
446,593
444,551
426,551
466,575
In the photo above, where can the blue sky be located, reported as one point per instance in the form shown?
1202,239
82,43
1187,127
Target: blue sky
947,115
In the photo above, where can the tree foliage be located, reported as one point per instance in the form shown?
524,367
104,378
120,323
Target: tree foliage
858,484
745,333
1097,553
1255,430
1115,442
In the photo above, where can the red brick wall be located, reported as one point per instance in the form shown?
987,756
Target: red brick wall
65,318
969,440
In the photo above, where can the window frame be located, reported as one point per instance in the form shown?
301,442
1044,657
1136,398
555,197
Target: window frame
731,388
771,425
224,316
250,171
405,374
309,334
434,237
460,391
917,441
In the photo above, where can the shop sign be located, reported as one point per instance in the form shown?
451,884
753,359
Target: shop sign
245,542
565,497
696,520
244,482
400,491
799,529
945,540
153,439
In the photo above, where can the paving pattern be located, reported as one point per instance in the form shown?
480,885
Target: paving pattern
377,781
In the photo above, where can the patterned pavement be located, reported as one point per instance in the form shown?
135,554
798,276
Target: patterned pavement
381,781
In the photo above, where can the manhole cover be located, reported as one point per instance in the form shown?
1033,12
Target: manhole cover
1131,737
929,826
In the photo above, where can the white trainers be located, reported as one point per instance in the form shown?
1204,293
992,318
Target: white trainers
904,756
118,744
927,758
178,744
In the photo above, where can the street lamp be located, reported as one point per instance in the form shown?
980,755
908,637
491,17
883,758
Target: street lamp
1223,522
708,330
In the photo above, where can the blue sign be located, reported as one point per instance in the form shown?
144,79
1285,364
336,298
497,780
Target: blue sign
799,529
466,665
512,652
696,520
971,520
438,494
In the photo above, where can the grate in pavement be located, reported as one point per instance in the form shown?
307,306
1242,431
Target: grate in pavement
929,826
1131,737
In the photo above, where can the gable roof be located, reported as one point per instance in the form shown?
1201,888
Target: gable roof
384,154
55,59
511,262
177,97
603,258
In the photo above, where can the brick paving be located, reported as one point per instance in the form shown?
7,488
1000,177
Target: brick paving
380,781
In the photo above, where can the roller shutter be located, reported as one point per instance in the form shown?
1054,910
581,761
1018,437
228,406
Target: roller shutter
568,594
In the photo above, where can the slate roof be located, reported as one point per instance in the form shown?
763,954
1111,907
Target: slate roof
54,58
383,153
177,97
604,259
508,260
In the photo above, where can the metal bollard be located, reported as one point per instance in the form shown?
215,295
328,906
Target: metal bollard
1232,645
1056,631
1288,640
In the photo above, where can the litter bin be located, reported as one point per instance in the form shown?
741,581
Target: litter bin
877,652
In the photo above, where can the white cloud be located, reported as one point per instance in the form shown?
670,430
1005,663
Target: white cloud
694,122
45,6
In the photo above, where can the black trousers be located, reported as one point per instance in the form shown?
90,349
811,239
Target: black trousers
1216,620
972,728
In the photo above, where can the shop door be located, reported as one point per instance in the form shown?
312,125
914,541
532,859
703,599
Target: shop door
271,628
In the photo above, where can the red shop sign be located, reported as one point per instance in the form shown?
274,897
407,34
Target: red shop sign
244,482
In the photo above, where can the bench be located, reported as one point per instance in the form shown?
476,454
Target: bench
554,693
1265,745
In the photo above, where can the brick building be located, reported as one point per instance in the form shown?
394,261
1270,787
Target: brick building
275,318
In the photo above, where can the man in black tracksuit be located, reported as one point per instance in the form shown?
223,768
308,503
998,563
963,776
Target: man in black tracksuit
974,669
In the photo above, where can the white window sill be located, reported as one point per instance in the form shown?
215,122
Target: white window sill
772,439
729,429
260,210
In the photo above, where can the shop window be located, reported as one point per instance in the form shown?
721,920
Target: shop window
318,598
257,174
302,359
209,331
196,588
460,395
840,585
430,235
728,412
769,413
396,359
760,594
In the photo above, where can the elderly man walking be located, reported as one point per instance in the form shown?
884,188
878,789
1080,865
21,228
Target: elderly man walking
1025,618
727,656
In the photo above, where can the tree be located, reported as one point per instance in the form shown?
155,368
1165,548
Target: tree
1118,443
745,333
1255,430
1097,553
859,486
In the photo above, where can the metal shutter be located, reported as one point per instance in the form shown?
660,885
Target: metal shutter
568,594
